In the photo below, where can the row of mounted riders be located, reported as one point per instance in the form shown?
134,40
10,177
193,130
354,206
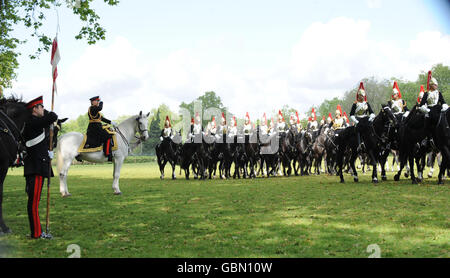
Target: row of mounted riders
280,153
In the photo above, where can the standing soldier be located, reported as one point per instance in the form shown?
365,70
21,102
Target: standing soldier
360,109
97,133
37,161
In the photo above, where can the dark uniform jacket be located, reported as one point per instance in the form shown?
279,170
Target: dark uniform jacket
425,99
37,161
96,134
353,111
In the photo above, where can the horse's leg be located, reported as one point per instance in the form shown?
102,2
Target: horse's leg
383,166
418,160
118,162
3,228
64,163
431,160
172,162
445,154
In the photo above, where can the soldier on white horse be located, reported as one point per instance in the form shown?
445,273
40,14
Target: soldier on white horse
72,145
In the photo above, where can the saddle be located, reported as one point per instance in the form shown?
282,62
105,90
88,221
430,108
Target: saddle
88,147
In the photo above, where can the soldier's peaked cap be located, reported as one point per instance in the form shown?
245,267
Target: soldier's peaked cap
94,98
34,102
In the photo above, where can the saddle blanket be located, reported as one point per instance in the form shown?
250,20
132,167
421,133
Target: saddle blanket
82,148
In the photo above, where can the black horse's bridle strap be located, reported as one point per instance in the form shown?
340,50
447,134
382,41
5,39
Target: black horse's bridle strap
11,125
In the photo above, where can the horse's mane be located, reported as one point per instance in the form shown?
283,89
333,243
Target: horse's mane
11,99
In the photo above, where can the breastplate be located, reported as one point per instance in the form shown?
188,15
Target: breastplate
433,98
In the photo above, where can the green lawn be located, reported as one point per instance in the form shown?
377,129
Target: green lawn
311,216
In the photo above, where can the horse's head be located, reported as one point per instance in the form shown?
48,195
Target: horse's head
56,129
387,115
141,126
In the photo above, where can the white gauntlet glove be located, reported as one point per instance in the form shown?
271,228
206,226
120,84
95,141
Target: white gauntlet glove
371,117
161,138
353,118
444,107
51,154
424,109
406,114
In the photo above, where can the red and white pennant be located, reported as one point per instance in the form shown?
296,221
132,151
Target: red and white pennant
54,62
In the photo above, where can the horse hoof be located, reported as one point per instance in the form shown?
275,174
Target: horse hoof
66,195
414,182
174,178
117,193
396,177
384,178
342,181
440,182
406,175
375,181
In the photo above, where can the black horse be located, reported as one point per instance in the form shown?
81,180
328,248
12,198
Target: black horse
373,134
440,132
13,114
167,151
412,136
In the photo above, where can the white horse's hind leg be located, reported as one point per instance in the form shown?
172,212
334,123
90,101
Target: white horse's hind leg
63,163
118,161
63,178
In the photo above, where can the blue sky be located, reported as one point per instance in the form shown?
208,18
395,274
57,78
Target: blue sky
291,52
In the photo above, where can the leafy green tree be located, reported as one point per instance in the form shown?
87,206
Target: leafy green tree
209,100
32,14
154,133
328,106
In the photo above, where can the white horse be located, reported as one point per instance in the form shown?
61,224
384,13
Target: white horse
69,143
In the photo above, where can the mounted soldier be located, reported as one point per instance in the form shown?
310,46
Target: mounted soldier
166,133
339,121
420,96
347,122
213,126
397,104
432,104
359,112
313,125
281,125
97,133
37,162
298,125
263,128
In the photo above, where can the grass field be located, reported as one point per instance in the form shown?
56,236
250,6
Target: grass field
311,216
